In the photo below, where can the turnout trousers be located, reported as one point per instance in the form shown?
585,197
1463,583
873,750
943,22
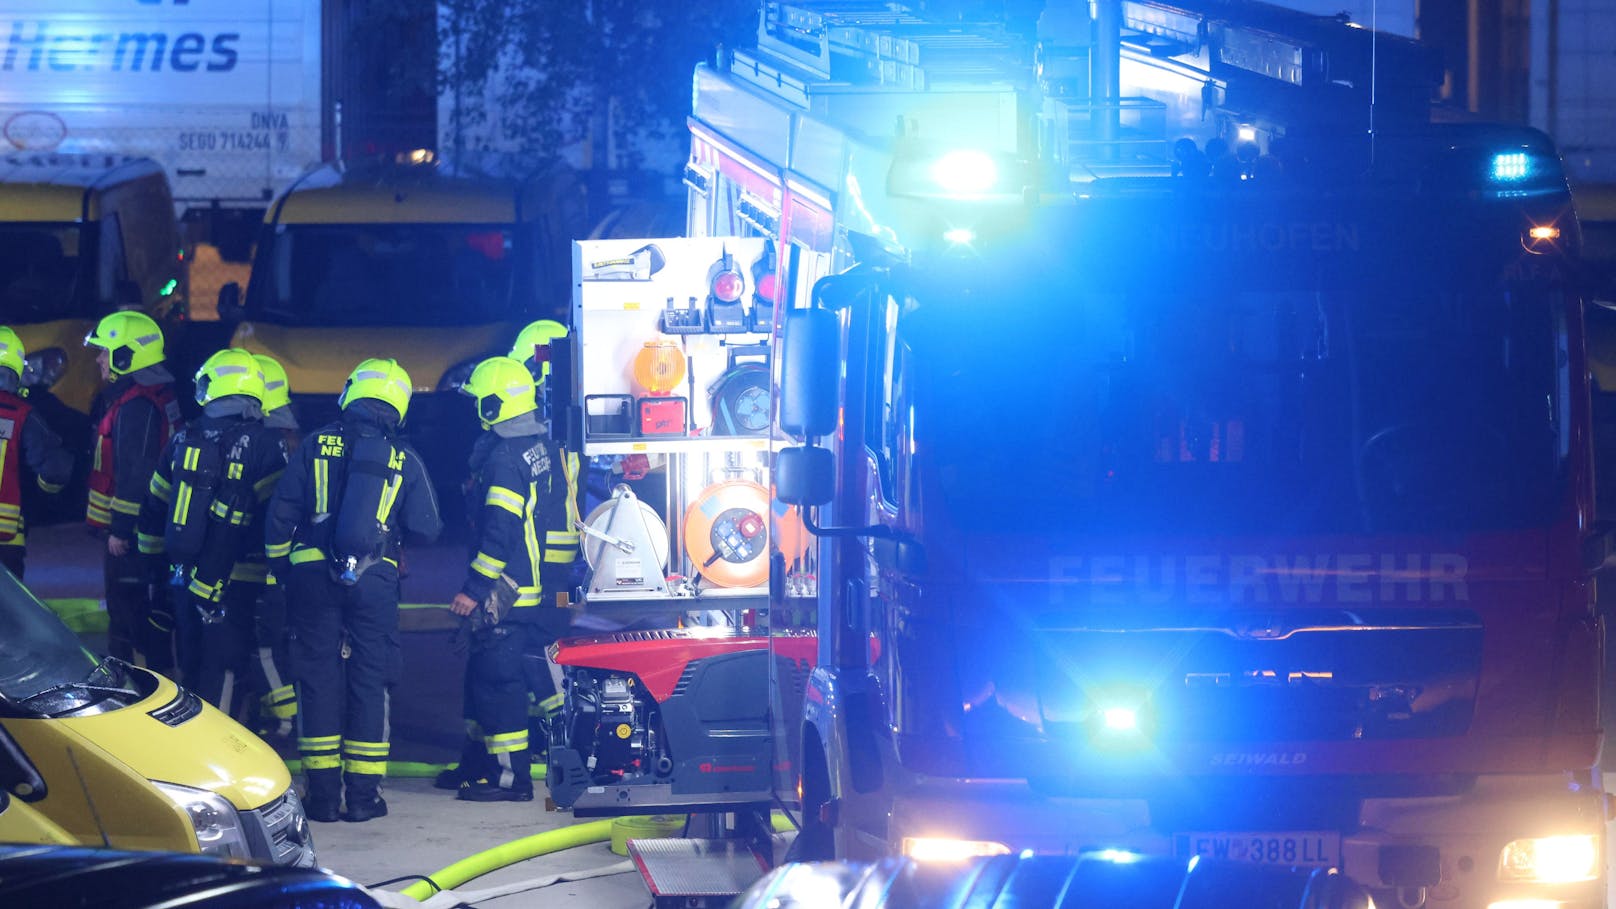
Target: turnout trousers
216,658
272,664
138,616
345,660
496,706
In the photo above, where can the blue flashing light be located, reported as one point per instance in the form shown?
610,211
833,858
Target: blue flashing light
1511,167
965,172
1121,719
1116,856
960,236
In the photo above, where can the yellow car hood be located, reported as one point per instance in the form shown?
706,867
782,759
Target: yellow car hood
318,360
209,751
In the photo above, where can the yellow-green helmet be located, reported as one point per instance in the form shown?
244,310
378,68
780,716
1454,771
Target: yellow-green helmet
502,388
12,355
229,372
379,380
532,346
277,390
132,340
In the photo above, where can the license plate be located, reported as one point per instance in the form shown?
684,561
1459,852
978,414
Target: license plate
1278,847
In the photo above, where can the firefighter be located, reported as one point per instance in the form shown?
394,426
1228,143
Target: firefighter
203,515
518,478
25,441
279,706
334,537
133,417
562,567
532,346
278,412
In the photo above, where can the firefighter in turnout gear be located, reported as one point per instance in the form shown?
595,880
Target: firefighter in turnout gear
133,417
204,515
532,346
562,568
25,441
334,536
273,666
518,481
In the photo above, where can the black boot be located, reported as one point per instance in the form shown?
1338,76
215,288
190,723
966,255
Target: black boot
324,795
364,797
364,809
486,791
472,757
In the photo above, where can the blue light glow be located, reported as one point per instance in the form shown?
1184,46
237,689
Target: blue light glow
1117,856
1121,719
960,236
1511,167
965,172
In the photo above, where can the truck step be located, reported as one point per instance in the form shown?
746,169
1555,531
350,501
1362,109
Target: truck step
691,873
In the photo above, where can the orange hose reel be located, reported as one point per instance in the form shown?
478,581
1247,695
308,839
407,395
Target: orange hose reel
726,533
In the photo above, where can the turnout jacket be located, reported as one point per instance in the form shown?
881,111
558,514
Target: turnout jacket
133,419
25,441
521,496
302,512
252,458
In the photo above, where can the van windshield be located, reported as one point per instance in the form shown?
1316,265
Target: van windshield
386,274
39,270
37,651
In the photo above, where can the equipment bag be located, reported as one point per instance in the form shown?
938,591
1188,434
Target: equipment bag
360,535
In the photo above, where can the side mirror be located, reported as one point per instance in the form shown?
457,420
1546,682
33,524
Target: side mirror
804,475
230,308
808,372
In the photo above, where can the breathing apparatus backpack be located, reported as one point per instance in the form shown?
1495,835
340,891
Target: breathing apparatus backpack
372,475
210,505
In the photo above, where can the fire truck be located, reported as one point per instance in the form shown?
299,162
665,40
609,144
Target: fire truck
1194,443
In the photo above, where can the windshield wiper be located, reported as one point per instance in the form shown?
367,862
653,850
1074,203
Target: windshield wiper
78,686
105,666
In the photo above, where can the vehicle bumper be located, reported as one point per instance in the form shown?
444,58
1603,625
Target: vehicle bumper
1457,839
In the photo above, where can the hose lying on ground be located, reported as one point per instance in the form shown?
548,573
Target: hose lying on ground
449,898
414,770
523,849
510,853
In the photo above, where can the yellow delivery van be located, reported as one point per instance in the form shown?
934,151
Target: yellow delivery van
82,235
405,260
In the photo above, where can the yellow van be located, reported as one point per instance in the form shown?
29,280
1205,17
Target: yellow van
406,261
106,753
81,235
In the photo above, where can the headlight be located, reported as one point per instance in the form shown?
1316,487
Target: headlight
458,374
948,849
218,827
1550,860
42,368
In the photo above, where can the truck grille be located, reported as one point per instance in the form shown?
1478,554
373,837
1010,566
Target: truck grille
279,832
1321,677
